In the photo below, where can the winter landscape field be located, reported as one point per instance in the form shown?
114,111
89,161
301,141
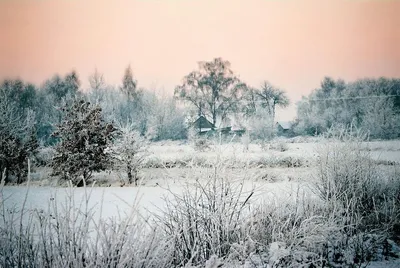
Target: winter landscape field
272,193
199,134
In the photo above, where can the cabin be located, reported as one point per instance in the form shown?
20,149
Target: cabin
284,128
203,125
228,126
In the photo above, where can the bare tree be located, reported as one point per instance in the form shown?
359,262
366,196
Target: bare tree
273,97
260,108
18,139
96,81
167,121
213,89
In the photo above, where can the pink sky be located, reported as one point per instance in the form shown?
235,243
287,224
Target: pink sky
291,43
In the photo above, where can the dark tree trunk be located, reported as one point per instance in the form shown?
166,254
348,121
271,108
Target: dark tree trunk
214,118
80,183
85,177
130,177
273,117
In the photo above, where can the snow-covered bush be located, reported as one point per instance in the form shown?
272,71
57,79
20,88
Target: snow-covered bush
68,233
202,144
260,126
279,146
45,155
352,183
129,152
205,219
84,137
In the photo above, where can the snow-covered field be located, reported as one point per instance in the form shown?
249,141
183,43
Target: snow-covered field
156,181
149,198
274,183
380,150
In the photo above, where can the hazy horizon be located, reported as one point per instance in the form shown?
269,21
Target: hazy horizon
291,43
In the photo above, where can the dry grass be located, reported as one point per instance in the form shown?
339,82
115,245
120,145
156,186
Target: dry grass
351,221
68,234
206,219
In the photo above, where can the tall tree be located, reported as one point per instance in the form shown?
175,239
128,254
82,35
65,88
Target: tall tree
96,81
72,83
270,97
213,89
129,84
17,137
60,87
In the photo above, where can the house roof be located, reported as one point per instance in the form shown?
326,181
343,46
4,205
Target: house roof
202,122
285,124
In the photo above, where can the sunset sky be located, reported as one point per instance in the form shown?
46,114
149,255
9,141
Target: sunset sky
291,43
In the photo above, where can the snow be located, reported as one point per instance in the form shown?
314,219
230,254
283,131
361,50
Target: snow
271,184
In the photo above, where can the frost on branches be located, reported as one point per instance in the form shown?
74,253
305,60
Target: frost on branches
129,153
84,137
18,140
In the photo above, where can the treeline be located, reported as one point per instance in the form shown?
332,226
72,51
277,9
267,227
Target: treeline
84,127
33,117
372,105
213,90
73,130
158,118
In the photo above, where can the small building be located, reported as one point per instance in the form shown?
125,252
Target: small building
226,126
284,128
203,125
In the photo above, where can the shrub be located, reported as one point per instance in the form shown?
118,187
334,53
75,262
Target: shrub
129,152
205,220
68,234
84,137
14,155
353,184
45,155
202,144
216,221
279,146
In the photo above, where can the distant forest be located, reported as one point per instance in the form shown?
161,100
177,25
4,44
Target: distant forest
369,104
79,131
212,90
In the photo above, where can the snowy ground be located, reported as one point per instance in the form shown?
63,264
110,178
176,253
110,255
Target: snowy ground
380,150
273,183
119,201
156,181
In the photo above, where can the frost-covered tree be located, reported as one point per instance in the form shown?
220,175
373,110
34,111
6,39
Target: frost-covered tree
129,85
213,89
371,104
84,138
259,109
61,87
97,88
18,139
96,81
167,121
269,97
54,93
129,151
259,125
